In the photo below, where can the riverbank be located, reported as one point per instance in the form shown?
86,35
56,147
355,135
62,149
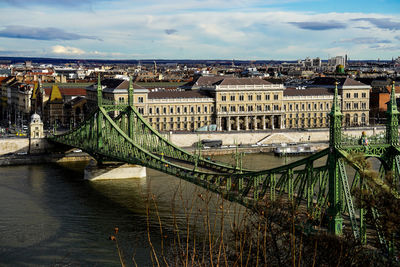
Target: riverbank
28,159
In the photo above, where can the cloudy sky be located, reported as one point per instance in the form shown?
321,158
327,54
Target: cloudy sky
200,29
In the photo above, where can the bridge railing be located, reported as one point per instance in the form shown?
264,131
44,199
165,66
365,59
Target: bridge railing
349,140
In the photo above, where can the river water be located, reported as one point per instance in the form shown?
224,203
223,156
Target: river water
50,216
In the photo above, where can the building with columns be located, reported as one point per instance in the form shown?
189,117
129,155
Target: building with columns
354,101
238,104
245,103
307,108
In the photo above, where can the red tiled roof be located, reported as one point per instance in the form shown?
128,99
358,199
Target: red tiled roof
177,94
243,81
208,80
306,92
68,91
352,82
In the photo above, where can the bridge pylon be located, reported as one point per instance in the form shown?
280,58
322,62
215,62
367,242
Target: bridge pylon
335,186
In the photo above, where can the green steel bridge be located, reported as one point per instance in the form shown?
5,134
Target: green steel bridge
322,180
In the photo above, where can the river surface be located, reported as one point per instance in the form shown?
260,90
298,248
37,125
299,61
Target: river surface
50,216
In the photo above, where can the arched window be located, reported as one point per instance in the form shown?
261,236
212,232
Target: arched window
363,118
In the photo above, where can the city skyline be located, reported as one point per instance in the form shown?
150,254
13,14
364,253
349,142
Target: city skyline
255,30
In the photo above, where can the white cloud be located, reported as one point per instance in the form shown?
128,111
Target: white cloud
199,29
66,50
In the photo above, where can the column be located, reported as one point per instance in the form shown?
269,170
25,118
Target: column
237,123
272,122
218,123
263,122
282,125
228,121
246,123
255,122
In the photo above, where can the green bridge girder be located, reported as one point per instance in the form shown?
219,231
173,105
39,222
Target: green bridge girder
317,182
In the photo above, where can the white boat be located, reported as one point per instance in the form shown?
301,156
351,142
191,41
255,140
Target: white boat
284,150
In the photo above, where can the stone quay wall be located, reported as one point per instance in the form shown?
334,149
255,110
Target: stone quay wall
275,137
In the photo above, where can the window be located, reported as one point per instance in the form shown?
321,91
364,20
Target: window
158,110
302,106
348,105
140,99
327,105
233,108
259,108
223,98
223,108
185,110
355,95
315,106
250,97
297,106
276,97
267,107
355,105
249,108
321,106
171,119
150,110
290,107
241,97
151,120
121,99
192,109
348,95
171,110
258,97
205,109
276,107
364,95
363,118
355,118
284,107
141,110
364,105
165,110
232,98
198,109
241,108
178,110
266,97
178,119
309,106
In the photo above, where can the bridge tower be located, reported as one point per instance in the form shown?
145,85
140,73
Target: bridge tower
99,114
335,188
392,135
131,115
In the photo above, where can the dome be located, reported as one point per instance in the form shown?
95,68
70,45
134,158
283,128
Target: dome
35,117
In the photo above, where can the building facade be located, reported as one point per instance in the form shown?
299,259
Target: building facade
240,104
